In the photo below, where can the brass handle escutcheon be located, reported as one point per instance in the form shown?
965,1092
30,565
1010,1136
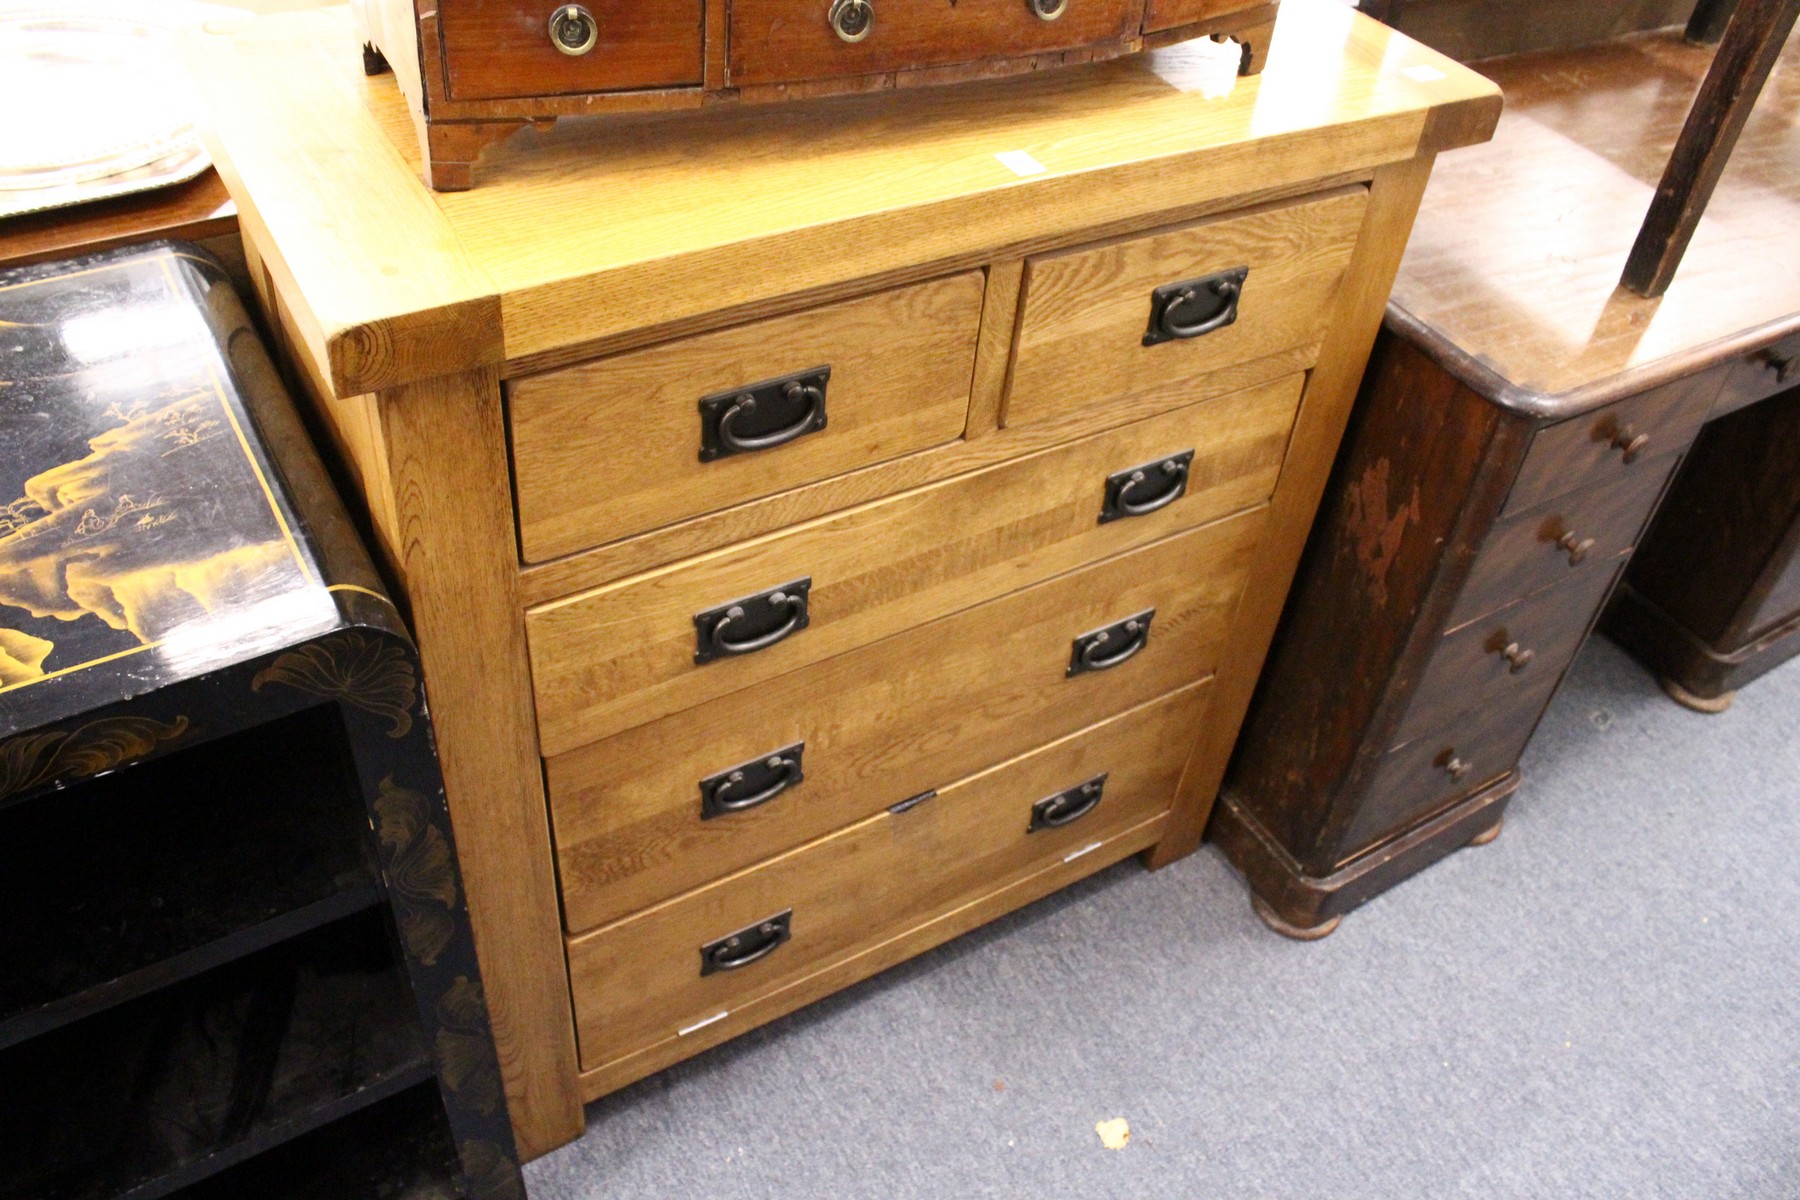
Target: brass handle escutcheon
851,20
573,30
1047,10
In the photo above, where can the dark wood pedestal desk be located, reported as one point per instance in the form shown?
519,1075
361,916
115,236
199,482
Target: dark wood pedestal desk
1520,424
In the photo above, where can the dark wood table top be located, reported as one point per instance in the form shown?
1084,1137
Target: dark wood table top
1511,278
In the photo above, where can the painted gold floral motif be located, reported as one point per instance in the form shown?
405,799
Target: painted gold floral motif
465,1059
415,857
370,673
38,758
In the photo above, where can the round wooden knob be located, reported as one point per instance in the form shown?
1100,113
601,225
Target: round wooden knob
1457,767
1577,547
1630,443
1518,657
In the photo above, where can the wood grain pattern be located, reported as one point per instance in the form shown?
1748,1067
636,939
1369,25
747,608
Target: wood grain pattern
999,318
957,917
610,449
453,503
502,48
638,982
886,722
623,654
1560,193
780,41
1324,411
1167,14
1084,313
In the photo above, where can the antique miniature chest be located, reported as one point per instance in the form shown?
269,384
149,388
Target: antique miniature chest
843,523
474,71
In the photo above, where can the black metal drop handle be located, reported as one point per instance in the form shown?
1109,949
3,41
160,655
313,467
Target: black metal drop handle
1072,807
1174,470
796,606
746,404
750,944
1138,633
1225,293
785,769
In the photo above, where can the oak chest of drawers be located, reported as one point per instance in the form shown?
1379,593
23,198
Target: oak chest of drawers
826,533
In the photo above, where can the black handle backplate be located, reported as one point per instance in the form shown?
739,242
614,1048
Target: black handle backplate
1103,649
762,416
752,784
1195,307
1067,806
1141,490
750,944
751,623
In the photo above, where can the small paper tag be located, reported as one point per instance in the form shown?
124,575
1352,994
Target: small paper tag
1423,74
1020,163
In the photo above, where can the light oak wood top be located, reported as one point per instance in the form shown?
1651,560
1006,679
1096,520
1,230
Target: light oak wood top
665,218
1511,278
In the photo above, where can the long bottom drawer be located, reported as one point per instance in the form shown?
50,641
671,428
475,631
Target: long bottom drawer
660,980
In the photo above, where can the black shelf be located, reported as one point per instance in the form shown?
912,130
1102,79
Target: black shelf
156,1094
139,879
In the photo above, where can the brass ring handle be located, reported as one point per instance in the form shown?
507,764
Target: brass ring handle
784,780
1056,818
573,29
1457,767
1785,366
1047,10
1577,548
1175,470
1519,658
1137,631
1225,291
796,606
723,960
851,20
1630,443
746,404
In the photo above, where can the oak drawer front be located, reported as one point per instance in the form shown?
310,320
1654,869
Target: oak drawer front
626,444
788,41
644,979
1761,374
500,48
1634,435
1086,314
1431,772
1487,662
1542,547
884,723
632,651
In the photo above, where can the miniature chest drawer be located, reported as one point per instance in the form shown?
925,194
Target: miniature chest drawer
629,652
654,811
784,41
1576,533
638,440
693,960
1620,439
1160,313
495,49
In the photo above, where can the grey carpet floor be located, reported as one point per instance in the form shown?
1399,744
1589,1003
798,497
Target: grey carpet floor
1605,1002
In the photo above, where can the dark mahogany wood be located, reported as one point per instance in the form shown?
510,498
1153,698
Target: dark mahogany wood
1707,24
1754,39
500,49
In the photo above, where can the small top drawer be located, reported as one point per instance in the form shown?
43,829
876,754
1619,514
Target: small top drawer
642,439
789,41
1161,312
1631,435
499,48
1760,374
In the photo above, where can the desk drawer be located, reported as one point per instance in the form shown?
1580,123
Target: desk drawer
630,652
878,725
1761,374
1432,772
790,41
499,48
1087,313
1634,435
626,444
651,977
1577,533
1487,662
